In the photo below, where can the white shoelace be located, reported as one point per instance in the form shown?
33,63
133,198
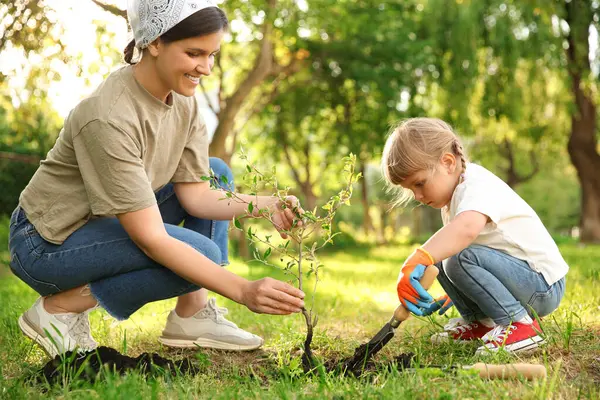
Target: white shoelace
216,313
498,334
79,329
455,323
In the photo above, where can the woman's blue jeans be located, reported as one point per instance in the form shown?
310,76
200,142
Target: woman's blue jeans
484,282
100,253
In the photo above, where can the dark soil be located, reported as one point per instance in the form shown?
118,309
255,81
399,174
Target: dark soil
361,361
92,361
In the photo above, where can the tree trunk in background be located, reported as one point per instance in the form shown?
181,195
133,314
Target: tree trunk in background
309,195
364,186
583,142
230,107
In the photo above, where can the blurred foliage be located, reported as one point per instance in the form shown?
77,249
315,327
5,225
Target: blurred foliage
495,69
23,23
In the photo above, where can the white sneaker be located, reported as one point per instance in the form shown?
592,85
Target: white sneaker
207,328
57,333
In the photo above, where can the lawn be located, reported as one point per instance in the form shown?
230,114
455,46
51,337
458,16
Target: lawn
354,299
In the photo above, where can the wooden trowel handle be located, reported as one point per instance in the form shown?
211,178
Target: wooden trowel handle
507,371
426,281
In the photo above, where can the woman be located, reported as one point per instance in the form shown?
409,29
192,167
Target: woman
98,224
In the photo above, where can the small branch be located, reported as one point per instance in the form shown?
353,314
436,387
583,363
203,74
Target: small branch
300,266
276,249
111,9
312,304
268,264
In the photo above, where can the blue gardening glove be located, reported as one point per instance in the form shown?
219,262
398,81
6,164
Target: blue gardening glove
411,294
441,303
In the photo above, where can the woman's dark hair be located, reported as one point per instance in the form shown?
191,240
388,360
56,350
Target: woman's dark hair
204,22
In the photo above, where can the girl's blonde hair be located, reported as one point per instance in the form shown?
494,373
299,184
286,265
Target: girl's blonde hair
418,144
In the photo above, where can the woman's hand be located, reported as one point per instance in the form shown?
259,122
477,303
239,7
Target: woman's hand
285,214
270,296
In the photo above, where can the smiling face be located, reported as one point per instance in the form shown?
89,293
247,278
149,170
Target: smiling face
180,65
435,187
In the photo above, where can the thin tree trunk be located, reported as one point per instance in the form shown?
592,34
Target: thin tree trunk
309,195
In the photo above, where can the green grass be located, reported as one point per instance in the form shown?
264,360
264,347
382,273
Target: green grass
355,298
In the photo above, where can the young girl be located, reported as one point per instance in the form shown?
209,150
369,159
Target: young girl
498,264
99,222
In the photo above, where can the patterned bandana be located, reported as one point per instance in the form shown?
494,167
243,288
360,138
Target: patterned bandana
149,19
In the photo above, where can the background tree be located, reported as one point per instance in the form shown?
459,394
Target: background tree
495,41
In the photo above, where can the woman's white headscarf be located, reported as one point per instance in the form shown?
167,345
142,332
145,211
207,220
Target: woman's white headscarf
149,19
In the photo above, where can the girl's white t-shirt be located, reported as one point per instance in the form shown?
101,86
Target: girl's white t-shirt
514,228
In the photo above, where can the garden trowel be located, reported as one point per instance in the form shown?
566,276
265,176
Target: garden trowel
368,350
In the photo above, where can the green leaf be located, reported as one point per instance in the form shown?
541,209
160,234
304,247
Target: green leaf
224,179
267,253
249,233
237,223
249,168
250,208
205,178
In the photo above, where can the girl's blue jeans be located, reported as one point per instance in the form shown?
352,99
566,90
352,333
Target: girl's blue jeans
100,253
484,282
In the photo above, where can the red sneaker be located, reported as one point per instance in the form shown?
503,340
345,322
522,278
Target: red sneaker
459,330
514,338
